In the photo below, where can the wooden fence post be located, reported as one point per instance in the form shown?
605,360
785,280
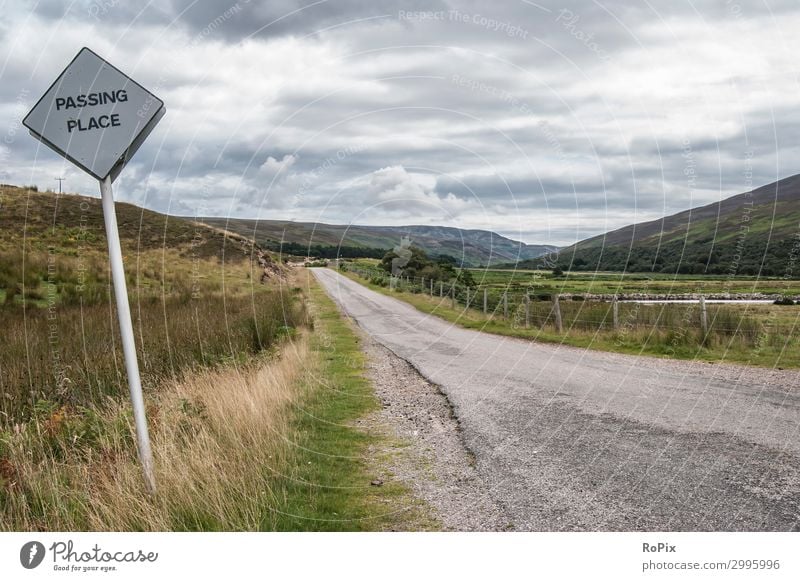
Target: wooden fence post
615,312
453,297
467,305
485,300
441,289
703,316
527,310
557,312
505,304
431,287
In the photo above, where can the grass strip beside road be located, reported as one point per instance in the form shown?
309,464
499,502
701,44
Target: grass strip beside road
329,486
267,442
772,350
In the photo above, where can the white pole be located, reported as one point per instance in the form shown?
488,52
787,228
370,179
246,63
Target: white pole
126,330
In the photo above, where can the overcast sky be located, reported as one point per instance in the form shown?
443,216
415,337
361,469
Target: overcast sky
546,121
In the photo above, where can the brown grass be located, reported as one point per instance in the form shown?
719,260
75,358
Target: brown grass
217,436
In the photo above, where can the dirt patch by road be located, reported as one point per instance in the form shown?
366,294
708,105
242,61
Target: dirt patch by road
433,460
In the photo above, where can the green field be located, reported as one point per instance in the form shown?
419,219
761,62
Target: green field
757,334
617,283
610,283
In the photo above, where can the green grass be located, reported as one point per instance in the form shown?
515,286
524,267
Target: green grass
329,486
762,335
609,283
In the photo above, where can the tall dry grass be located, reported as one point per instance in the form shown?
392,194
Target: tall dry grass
218,437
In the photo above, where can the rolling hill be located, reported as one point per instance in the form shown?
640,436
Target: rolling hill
754,233
472,247
53,248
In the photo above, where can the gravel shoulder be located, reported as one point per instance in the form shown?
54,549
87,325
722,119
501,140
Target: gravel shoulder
434,462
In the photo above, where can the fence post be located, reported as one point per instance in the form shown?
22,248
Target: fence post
557,312
703,316
453,296
615,312
527,310
505,304
485,300
465,308
441,289
431,287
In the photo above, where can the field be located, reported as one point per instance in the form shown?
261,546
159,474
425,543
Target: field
609,283
245,435
757,334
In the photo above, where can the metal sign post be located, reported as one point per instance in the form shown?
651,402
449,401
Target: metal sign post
97,117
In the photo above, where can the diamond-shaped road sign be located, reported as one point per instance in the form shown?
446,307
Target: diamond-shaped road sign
95,116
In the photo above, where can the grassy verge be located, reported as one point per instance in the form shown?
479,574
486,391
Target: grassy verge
765,348
266,442
328,486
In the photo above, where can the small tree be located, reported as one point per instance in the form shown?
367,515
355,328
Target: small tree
558,271
465,278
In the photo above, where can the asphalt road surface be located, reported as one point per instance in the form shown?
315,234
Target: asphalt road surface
573,439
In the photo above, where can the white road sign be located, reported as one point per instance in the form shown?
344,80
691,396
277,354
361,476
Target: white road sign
95,116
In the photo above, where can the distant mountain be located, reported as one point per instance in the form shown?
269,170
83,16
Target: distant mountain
473,247
757,232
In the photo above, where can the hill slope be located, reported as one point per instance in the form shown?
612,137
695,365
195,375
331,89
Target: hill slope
751,233
53,247
473,247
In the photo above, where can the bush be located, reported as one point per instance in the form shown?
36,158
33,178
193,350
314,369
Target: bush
784,301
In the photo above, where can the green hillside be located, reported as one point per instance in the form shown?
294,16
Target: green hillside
194,293
754,233
52,242
472,247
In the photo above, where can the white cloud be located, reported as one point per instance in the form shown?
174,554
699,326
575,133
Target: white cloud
253,116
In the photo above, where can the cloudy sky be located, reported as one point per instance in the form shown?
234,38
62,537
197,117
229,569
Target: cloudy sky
546,121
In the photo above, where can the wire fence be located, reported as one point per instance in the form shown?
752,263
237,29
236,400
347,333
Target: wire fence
528,308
